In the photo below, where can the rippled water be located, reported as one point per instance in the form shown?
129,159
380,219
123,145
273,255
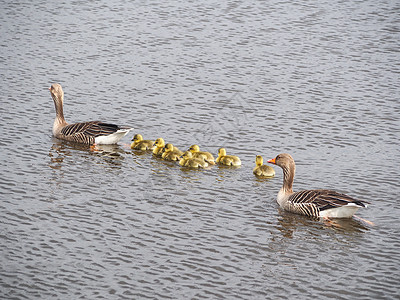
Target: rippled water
319,80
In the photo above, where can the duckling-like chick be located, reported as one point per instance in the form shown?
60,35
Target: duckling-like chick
187,160
208,157
140,144
159,145
261,170
229,160
171,153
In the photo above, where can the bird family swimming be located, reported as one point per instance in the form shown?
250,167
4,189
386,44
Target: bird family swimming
313,203
90,133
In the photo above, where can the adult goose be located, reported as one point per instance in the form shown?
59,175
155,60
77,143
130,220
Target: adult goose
93,132
313,203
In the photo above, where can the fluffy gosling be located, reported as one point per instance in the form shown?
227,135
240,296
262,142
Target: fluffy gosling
228,160
171,153
261,170
140,144
187,160
208,157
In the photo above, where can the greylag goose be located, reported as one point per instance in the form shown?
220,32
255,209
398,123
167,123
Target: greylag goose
171,152
313,203
228,160
196,153
93,132
187,160
140,144
261,170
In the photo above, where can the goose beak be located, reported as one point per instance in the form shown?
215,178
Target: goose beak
272,161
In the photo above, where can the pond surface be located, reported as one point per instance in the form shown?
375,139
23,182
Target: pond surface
317,80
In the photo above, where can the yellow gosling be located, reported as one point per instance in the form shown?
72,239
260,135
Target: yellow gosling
140,144
228,160
159,145
208,157
187,160
261,170
170,153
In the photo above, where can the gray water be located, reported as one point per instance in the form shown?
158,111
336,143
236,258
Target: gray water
317,79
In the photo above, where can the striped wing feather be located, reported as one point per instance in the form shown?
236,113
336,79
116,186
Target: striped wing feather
313,201
86,132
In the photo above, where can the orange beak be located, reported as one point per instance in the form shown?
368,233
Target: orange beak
272,161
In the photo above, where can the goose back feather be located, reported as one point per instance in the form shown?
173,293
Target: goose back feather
316,203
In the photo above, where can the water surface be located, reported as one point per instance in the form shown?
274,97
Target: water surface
317,80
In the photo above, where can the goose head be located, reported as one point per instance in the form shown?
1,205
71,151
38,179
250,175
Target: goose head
283,160
57,93
286,162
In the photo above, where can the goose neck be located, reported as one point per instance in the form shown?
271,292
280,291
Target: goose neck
59,121
58,104
288,178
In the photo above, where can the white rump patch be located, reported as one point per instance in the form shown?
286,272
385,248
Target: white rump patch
346,211
112,138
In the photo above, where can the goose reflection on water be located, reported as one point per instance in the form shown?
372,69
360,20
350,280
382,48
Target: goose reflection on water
60,150
289,223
